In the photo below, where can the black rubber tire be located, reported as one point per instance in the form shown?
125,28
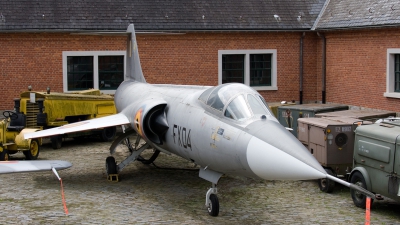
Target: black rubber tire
213,207
33,152
108,133
359,199
56,141
326,185
111,165
4,155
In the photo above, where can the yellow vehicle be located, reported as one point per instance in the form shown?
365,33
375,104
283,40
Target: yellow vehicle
12,130
48,110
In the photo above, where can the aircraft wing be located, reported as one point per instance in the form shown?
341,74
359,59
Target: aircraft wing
107,121
32,166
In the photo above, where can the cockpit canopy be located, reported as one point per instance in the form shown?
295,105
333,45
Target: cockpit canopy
236,101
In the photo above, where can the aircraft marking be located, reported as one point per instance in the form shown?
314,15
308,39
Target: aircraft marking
138,121
183,135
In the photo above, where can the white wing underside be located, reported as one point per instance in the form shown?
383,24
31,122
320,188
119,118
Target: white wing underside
107,121
32,166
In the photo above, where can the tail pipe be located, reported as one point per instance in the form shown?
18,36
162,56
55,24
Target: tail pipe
353,186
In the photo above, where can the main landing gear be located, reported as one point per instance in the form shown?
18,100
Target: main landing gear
112,168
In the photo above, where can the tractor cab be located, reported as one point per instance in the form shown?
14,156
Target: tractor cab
12,130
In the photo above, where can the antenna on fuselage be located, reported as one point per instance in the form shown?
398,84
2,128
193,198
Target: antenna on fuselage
133,67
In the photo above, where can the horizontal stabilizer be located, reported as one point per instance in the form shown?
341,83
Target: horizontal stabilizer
107,121
32,166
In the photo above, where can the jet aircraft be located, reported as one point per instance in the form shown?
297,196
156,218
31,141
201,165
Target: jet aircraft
226,129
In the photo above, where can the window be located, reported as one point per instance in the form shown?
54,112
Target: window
233,69
255,68
393,73
102,70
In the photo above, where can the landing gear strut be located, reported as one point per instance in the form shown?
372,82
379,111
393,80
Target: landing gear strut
112,168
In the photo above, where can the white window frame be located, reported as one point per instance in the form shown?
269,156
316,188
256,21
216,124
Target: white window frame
390,73
95,55
247,54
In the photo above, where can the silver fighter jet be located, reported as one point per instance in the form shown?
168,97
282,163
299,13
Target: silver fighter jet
226,129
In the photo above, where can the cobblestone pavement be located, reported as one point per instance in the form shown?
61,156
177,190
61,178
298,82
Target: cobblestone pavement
171,193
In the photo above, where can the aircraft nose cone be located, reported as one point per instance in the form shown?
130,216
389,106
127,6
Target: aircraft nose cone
275,154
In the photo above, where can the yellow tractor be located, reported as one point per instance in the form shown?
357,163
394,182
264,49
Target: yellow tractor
12,130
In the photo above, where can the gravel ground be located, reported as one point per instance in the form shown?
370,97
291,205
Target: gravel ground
171,193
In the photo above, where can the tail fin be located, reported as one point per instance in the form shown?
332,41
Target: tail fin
133,67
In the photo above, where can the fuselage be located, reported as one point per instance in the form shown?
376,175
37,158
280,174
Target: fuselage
207,133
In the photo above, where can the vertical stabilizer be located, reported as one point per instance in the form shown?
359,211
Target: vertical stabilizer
133,67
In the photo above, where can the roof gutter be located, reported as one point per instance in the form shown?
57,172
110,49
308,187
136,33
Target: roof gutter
123,32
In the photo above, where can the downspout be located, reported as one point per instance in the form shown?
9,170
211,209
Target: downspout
301,68
323,67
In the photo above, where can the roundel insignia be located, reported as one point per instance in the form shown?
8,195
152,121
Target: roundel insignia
138,121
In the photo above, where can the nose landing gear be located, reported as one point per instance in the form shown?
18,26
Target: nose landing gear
212,202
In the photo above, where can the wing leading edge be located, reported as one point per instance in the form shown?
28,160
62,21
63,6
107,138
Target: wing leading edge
32,166
107,121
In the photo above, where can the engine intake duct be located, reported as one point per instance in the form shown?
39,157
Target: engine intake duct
156,124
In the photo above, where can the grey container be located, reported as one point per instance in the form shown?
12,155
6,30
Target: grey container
288,115
358,114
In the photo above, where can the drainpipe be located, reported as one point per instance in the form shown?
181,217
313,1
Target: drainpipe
323,67
301,68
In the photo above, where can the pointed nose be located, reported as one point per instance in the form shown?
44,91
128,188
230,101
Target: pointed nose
273,153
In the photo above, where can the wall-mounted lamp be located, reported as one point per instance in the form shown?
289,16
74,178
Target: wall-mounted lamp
48,90
277,18
30,88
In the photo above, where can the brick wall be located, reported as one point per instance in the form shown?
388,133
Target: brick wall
356,67
193,58
36,59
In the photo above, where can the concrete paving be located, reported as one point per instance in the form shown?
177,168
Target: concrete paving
171,193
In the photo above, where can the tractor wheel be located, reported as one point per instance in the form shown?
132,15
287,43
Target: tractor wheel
4,155
33,152
108,133
56,141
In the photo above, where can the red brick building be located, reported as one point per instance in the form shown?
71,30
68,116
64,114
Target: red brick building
75,45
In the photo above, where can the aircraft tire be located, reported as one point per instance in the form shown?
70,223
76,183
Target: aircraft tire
56,141
33,152
359,199
108,134
326,185
213,207
111,165
4,156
